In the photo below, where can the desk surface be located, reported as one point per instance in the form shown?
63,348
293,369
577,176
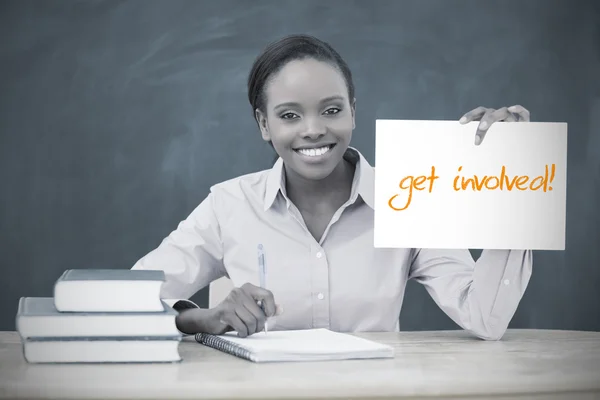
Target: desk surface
530,363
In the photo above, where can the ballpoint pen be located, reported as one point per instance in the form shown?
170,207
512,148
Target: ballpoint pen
262,277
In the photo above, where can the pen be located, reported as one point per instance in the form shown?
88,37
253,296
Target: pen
262,276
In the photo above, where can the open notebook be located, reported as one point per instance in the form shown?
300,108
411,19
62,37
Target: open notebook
298,345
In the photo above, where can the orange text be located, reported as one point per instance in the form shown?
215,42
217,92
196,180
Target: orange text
411,183
504,182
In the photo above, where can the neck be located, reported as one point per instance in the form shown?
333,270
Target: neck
329,192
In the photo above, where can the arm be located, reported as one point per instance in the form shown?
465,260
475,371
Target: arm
481,297
191,256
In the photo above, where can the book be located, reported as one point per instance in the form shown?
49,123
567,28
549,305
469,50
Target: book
38,317
102,350
296,345
109,290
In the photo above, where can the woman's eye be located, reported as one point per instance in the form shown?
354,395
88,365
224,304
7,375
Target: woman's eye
332,110
288,115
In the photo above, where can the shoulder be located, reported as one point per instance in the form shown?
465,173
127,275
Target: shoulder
244,187
231,198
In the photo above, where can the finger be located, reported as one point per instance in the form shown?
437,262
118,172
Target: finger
231,319
278,312
263,295
246,308
522,113
487,120
257,313
473,115
247,318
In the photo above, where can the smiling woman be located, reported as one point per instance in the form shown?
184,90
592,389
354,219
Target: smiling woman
313,130
302,85
312,215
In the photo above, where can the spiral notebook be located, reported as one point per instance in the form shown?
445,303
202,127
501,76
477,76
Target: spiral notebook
296,345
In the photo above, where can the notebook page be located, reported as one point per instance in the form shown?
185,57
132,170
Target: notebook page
310,342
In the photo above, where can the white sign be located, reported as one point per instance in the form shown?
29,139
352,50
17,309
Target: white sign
434,188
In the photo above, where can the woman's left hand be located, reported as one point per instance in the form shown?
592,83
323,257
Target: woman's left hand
488,116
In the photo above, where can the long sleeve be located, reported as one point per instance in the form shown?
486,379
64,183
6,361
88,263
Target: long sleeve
191,256
481,296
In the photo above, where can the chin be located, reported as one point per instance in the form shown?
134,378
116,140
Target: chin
313,174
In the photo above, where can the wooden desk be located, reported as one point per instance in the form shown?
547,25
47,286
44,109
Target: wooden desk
524,364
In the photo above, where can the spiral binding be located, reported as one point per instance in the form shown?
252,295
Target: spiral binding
223,345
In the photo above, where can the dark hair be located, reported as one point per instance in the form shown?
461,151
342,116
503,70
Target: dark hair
280,52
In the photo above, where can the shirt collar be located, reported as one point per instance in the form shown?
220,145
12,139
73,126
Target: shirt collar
363,184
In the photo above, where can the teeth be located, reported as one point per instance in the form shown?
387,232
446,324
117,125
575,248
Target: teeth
314,152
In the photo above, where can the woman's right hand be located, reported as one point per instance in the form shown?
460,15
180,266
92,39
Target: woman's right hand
239,311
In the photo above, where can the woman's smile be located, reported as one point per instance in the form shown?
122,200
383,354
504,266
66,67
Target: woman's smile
315,153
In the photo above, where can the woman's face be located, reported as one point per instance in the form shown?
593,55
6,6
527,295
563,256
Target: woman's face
309,118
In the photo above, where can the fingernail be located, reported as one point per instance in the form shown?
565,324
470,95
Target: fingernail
462,120
483,125
278,310
511,108
477,140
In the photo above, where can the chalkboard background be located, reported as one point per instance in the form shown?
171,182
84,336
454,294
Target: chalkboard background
117,116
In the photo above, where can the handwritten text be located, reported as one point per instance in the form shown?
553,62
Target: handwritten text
476,183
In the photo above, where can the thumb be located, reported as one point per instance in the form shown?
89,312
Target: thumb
219,326
222,327
278,310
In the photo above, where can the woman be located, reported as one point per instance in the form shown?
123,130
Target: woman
313,214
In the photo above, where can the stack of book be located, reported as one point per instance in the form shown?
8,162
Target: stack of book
100,316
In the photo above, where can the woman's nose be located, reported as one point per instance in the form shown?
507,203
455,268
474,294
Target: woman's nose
314,128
